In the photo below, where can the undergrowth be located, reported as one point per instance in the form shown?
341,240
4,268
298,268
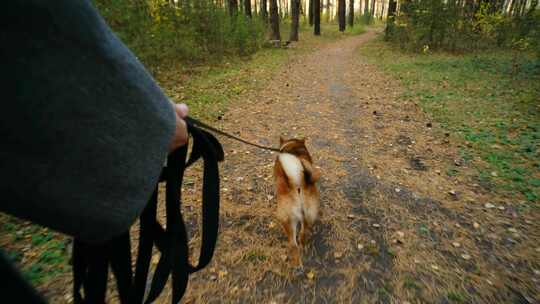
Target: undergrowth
489,100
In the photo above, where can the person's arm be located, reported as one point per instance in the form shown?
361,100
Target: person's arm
85,129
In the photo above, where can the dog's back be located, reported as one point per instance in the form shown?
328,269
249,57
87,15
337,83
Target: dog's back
296,191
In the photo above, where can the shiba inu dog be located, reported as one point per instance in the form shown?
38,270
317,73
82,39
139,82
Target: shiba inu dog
297,193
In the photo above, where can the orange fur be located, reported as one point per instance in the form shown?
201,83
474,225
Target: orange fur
297,205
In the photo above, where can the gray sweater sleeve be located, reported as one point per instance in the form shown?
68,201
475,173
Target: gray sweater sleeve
84,129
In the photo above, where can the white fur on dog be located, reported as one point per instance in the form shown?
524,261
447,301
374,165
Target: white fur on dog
293,168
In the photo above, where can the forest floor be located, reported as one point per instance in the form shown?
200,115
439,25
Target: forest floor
395,227
405,217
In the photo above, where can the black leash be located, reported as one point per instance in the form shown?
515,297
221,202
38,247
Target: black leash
210,128
91,261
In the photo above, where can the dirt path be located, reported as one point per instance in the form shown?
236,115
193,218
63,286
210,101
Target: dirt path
393,227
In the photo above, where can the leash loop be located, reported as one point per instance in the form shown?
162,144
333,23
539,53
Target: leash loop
91,261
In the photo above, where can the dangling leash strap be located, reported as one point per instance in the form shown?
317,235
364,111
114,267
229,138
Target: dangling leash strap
91,261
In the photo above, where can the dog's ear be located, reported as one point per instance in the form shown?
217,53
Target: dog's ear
281,140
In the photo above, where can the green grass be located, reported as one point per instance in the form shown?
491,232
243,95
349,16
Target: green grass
455,297
39,252
411,283
489,101
255,256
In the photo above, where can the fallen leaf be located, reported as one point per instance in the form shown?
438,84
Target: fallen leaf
489,205
222,273
476,225
360,246
310,275
466,256
456,244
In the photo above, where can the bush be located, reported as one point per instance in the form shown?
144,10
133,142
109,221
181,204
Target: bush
157,30
365,19
446,25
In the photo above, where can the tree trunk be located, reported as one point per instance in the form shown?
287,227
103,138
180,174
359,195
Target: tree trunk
341,15
366,7
392,4
310,13
274,20
247,8
317,17
522,7
351,13
295,18
233,7
372,10
328,11
264,12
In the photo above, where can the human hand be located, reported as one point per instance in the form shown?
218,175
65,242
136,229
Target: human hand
180,134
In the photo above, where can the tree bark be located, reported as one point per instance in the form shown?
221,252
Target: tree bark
392,5
310,13
264,12
295,18
274,20
328,11
372,10
351,13
233,7
366,7
317,17
341,15
247,8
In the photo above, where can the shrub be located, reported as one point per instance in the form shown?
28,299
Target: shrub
456,27
157,30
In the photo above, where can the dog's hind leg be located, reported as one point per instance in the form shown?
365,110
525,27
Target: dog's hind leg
305,230
289,226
